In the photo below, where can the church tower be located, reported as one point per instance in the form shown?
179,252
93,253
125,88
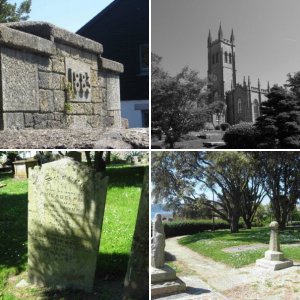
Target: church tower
221,65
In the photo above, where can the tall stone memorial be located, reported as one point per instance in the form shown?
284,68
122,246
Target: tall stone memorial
274,259
65,214
163,278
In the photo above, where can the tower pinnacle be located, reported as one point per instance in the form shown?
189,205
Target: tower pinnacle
220,33
232,37
209,39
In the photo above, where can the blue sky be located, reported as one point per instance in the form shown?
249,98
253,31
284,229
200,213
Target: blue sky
266,34
68,14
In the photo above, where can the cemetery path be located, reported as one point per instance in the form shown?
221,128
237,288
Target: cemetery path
250,282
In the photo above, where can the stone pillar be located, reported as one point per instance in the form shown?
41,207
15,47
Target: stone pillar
274,247
274,259
158,243
136,285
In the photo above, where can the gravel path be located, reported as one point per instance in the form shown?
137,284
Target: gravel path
133,138
249,282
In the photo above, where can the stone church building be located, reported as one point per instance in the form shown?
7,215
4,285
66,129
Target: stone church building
242,100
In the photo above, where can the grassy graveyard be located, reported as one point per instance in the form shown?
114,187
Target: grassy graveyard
217,245
118,227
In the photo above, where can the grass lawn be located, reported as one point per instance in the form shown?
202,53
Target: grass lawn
118,227
211,244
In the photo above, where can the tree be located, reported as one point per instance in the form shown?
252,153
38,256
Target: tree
175,102
217,108
253,196
280,174
279,124
180,177
13,13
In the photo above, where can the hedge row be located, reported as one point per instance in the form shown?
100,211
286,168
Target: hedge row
241,136
190,227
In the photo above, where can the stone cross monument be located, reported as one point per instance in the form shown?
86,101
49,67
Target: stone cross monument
273,257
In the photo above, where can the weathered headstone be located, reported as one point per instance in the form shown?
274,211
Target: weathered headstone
65,214
273,257
136,285
163,277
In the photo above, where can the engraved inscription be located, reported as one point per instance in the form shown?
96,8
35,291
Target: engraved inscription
65,214
79,74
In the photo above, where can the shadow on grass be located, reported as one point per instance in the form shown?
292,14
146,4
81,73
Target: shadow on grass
112,264
251,236
126,176
13,231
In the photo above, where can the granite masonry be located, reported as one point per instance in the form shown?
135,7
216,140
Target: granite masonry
52,78
65,214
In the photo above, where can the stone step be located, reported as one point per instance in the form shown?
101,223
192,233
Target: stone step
274,265
166,273
167,287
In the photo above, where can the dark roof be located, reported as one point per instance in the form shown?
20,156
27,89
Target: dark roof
105,11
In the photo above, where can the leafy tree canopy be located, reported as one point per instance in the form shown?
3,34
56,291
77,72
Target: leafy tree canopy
13,13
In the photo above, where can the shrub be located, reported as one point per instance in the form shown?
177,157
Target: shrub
242,136
224,126
190,227
217,127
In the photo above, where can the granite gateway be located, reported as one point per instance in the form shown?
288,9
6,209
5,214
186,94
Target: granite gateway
65,214
52,78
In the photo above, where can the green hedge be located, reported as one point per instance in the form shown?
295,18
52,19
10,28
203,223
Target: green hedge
190,227
241,136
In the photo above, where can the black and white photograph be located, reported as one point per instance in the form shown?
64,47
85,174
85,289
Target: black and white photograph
225,74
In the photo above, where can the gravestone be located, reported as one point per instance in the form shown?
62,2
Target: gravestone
136,284
21,167
273,257
163,277
65,214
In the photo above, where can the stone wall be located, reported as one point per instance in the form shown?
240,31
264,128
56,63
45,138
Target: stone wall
52,78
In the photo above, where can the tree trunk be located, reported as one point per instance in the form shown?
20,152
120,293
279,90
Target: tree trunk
248,224
234,224
107,158
88,158
282,222
100,165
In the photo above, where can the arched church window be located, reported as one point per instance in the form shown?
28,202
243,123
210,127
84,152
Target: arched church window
239,102
255,109
226,57
230,58
213,59
217,57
